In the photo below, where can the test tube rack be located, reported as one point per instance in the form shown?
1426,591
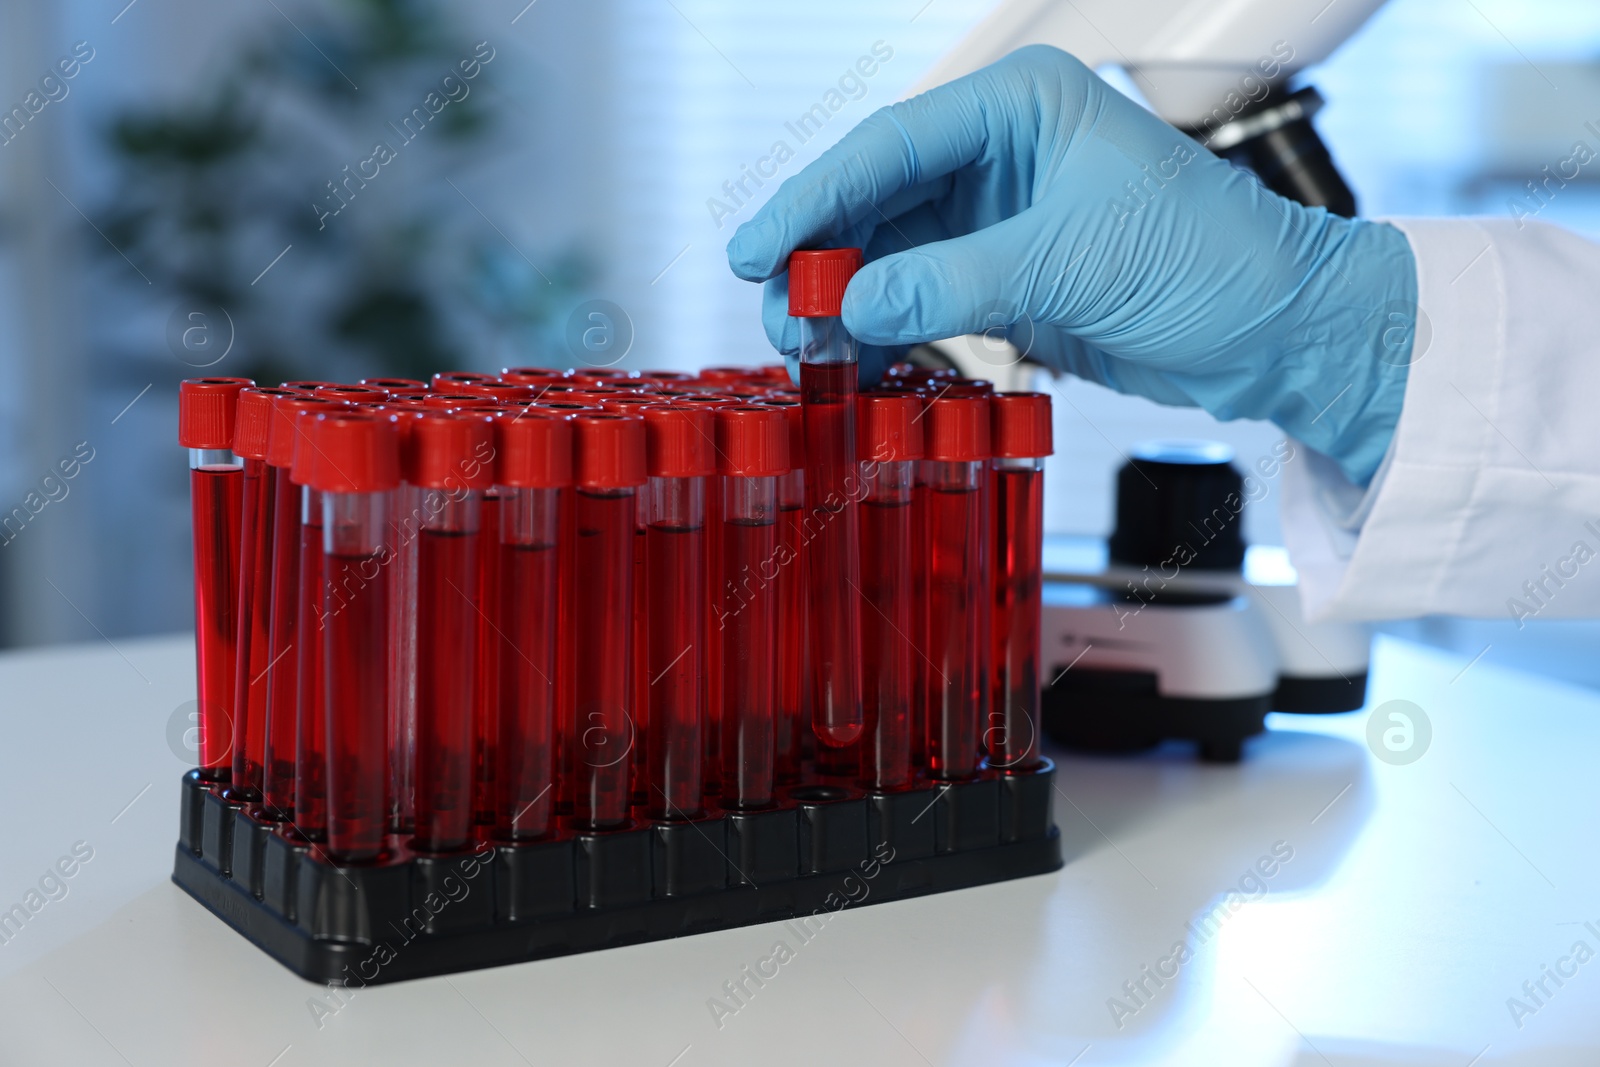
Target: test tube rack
822,848
359,835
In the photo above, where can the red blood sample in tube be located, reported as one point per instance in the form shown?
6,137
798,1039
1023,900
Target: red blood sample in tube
609,466
958,446
284,645
356,474
793,680
828,371
1021,434
207,408
256,525
680,453
533,462
311,694
891,441
711,726
752,452
451,462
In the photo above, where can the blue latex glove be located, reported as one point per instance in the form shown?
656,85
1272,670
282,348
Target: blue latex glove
1032,195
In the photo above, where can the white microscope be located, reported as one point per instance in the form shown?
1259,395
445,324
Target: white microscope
1174,629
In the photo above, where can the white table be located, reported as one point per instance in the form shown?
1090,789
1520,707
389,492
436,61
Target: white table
1418,900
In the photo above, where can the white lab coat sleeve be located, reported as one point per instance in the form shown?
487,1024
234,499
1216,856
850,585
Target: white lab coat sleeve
1488,501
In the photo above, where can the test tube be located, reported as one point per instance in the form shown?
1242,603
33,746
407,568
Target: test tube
828,371
609,467
207,408
1021,436
533,464
452,463
633,404
680,456
311,694
283,647
957,439
406,525
355,475
794,682
891,443
752,452
256,528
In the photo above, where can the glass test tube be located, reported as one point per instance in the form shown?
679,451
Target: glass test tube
752,452
207,408
891,440
957,448
533,462
679,457
794,682
609,467
451,463
284,644
355,476
1021,434
828,371
256,528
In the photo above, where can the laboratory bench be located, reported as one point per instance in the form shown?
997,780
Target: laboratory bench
1314,904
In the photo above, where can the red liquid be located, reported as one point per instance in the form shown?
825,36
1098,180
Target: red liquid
676,636
711,722
792,681
749,626
215,495
828,391
355,633
311,754
602,638
921,661
886,667
447,638
525,749
282,647
955,613
641,658
566,694
255,625
1013,735
485,712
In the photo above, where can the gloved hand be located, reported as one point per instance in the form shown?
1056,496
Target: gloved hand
1031,194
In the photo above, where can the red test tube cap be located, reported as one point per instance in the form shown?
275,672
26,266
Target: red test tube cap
607,377
607,450
817,280
752,441
449,401
283,429
396,385
889,426
679,440
497,391
729,374
253,420
1020,425
533,450
451,451
795,415
356,452
309,386
958,429
356,394
446,380
960,386
539,376
207,408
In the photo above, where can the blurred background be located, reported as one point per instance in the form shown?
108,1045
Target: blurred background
206,194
